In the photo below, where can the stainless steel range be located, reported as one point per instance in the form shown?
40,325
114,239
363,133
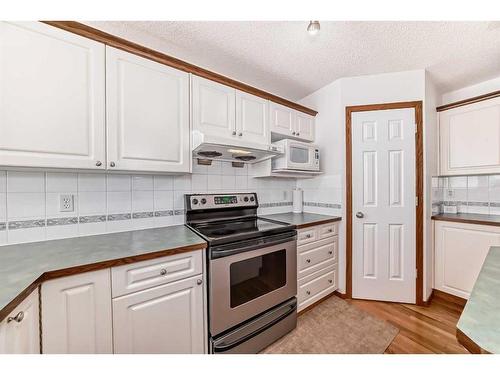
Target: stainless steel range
252,271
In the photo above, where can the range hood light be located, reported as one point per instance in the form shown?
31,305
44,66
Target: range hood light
240,152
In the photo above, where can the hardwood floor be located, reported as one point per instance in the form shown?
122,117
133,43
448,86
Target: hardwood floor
422,330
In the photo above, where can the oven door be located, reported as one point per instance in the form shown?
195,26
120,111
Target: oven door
300,156
249,278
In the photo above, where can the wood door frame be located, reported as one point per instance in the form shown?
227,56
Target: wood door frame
419,185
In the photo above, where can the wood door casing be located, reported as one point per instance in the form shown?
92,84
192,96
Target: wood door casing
417,105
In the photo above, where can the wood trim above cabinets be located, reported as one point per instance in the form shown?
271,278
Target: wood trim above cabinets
474,99
125,45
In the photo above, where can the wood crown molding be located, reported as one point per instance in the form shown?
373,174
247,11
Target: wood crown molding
137,49
474,99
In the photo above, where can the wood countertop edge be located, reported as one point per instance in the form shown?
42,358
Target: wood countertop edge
469,344
466,221
319,222
48,275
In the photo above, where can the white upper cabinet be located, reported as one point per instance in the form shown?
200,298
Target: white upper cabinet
76,314
252,118
470,138
20,331
147,114
51,98
282,119
213,108
289,123
304,126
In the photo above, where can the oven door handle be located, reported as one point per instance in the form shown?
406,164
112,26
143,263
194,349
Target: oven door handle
220,345
241,247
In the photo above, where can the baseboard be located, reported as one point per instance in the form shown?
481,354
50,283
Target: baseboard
313,305
429,300
340,294
449,297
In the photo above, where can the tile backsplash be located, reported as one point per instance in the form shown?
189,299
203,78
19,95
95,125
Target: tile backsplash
478,194
104,203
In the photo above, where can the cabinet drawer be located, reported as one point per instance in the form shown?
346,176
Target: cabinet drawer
327,230
324,252
317,285
141,275
307,235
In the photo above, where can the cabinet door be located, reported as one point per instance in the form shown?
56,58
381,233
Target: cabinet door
304,126
213,108
163,319
147,114
21,335
460,251
282,119
51,98
470,138
252,118
76,314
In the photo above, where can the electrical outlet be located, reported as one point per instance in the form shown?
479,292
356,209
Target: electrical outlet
66,203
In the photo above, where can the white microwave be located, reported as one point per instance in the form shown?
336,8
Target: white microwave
297,156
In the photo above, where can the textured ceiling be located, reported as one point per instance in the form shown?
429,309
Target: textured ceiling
282,58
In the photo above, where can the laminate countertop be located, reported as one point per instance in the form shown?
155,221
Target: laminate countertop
24,266
479,324
303,220
481,219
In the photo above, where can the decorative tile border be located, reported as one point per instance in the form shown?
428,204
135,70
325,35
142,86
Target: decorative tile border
164,213
25,224
3,226
62,221
275,204
179,212
142,215
325,205
117,217
92,219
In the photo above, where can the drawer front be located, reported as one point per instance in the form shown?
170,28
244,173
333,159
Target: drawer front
307,235
327,230
142,275
323,282
316,258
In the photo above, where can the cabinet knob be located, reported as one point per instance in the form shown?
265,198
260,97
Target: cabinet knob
308,292
163,272
199,281
330,281
330,230
293,133
240,135
112,164
234,132
308,260
18,318
298,133
330,252
308,236
98,163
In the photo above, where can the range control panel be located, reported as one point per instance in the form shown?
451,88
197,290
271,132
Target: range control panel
210,201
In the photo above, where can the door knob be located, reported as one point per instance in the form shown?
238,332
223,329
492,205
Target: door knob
360,215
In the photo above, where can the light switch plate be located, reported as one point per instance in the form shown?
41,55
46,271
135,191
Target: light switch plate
66,203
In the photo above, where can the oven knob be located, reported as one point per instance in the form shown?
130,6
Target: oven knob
252,199
245,199
195,201
203,201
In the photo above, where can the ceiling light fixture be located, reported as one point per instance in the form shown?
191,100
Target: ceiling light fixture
313,27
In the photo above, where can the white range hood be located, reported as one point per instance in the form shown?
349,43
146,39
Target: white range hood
214,148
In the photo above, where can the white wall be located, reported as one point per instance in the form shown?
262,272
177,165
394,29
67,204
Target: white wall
330,101
467,92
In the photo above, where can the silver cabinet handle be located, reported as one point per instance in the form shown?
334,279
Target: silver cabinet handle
18,318
308,260
234,132
360,215
98,163
199,281
112,164
308,292
163,272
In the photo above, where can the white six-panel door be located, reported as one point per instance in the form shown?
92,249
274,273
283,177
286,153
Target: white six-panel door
147,114
51,98
383,196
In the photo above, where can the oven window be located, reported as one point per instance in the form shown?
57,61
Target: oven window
254,277
299,155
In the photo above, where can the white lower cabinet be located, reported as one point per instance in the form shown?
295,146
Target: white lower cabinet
76,314
317,263
460,251
164,319
20,331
